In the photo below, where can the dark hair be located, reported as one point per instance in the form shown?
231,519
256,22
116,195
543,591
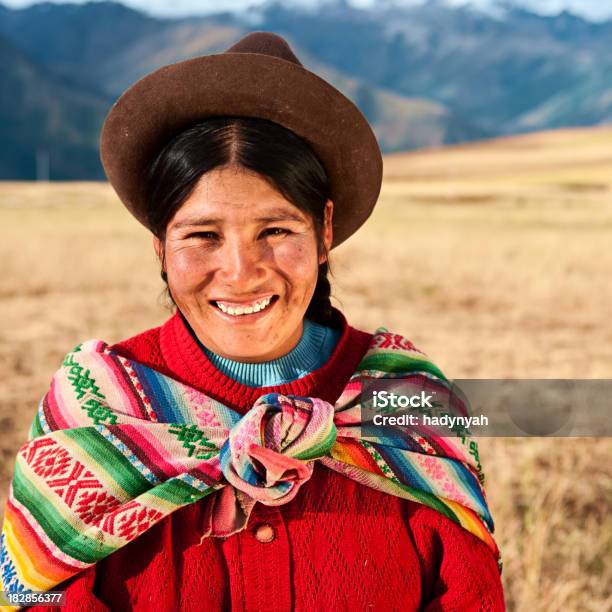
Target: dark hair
264,147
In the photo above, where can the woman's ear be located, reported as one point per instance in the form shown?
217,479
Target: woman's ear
158,245
328,233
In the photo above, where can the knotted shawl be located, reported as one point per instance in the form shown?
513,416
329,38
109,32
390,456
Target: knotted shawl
117,446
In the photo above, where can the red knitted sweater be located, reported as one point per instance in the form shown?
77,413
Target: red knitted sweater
337,546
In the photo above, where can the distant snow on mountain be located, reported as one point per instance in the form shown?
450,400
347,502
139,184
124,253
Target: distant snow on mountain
590,9
423,74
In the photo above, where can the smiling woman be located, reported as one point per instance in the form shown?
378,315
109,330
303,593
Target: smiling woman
219,461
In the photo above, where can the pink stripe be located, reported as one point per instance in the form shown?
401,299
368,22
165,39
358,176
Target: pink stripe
62,417
151,450
449,451
127,393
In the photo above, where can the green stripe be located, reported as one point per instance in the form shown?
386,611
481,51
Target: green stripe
394,362
428,499
66,538
320,449
36,428
109,458
178,492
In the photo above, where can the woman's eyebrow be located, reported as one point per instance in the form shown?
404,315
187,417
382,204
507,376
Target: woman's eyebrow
272,216
281,215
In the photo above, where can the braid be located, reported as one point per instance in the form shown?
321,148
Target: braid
320,308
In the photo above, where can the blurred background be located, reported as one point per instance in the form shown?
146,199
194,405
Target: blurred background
489,249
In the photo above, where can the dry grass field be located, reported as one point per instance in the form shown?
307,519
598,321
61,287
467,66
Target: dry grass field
495,258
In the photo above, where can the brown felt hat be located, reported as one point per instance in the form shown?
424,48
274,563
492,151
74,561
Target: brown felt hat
259,76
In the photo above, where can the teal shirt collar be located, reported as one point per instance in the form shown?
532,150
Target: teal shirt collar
315,347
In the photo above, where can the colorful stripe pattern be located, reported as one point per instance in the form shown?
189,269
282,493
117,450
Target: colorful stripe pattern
116,446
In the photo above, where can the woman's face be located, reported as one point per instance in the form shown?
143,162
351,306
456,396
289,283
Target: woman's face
234,245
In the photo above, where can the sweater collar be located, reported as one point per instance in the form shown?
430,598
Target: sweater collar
312,351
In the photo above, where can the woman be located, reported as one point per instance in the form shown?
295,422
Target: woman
215,462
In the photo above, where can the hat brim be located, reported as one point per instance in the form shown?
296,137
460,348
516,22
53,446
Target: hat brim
165,102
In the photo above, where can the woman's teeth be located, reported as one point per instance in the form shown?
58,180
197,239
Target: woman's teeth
242,310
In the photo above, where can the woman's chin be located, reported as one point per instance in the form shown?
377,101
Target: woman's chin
247,337
246,352
243,342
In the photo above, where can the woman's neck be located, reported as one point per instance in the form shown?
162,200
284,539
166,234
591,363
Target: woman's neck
314,348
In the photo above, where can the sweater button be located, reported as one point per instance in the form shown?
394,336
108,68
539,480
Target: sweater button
265,533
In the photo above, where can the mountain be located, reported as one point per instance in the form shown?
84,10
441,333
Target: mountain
88,54
80,41
41,115
501,70
423,75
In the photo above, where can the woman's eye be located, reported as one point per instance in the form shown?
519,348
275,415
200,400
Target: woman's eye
204,235
276,231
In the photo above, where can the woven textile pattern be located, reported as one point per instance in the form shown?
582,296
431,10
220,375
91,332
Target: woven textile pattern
116,446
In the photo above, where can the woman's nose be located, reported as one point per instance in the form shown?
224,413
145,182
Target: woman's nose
241,261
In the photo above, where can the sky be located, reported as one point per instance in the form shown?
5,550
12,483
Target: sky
592,9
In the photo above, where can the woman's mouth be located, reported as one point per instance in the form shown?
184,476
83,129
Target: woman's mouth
246,310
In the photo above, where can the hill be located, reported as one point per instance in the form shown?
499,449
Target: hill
43,116
424,75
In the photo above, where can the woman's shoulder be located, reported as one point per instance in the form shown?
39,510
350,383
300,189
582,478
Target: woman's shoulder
459,567
144,347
